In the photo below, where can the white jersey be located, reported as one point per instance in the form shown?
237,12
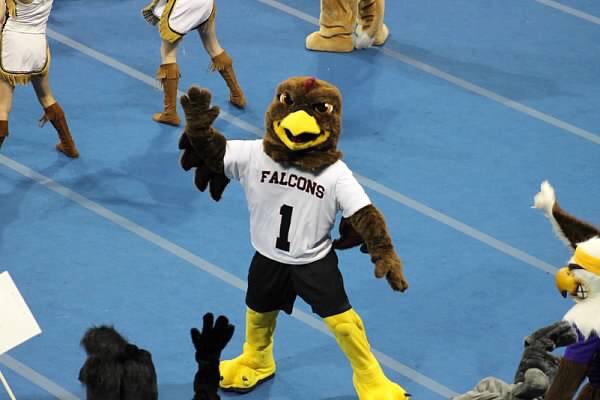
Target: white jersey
24,44
292,212
185,15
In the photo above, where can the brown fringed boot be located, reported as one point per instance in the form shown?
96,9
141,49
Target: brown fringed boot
168,74
56,116
3,131
224,64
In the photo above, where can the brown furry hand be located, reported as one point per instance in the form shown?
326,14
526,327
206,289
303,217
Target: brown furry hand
348,237
199,115
390,266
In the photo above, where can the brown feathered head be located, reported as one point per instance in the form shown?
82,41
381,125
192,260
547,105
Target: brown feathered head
304,123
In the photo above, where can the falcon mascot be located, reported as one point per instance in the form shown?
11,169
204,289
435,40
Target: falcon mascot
580,280
295,183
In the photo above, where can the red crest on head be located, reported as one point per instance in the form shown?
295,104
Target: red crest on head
309,84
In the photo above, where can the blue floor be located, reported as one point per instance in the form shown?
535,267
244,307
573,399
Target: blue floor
121,236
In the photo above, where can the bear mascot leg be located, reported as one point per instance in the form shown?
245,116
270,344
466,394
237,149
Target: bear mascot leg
370,29
336,26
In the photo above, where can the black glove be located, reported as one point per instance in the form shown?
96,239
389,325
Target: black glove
349,237
538,347
209,343
203,176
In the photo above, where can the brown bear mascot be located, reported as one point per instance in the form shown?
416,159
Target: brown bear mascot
295,183
348,24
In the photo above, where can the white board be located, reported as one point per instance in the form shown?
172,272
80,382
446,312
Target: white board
17,324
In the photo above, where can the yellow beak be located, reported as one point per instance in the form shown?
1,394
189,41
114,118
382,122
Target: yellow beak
566,282
296,124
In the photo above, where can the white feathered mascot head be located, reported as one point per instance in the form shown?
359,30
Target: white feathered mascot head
580,279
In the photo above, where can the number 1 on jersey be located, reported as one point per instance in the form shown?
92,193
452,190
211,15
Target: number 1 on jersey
282,242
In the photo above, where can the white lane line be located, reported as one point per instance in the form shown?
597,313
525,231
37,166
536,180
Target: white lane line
471,87
36,378
459,226
379,188
570,10
291,11
204,265
505,101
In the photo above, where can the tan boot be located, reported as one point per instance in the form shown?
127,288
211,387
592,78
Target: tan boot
370,29
224,64
256,363
336,22
368,378
3,131
56,116
168,75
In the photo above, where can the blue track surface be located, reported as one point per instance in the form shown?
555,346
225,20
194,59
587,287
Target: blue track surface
104,238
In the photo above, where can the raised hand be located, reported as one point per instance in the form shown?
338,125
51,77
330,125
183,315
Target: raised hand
199,115
208,344
203,147
212,340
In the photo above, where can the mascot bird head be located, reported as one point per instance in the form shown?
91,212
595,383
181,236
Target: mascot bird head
581,277
304,123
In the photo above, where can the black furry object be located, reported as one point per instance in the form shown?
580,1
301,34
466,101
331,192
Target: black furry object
116,369
208,344
540,344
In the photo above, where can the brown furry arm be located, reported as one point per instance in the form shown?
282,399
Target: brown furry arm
567,380
203,146
207,142
574,229
370,225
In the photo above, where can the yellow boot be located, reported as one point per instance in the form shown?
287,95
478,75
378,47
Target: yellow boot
369,381
256,363
335,32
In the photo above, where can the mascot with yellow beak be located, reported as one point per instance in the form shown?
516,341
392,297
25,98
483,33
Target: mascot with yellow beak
580,280
295,184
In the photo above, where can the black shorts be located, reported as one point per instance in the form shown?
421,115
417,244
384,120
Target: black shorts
274,286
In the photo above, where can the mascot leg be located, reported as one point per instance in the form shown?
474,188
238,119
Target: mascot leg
256,363
370,29
224,64
3,131
168,74
369,380
55,114
336,25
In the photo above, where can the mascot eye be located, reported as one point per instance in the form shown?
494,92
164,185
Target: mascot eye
323,108
286,99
